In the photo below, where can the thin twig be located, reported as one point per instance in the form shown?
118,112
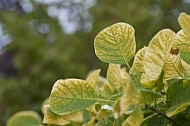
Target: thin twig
160,113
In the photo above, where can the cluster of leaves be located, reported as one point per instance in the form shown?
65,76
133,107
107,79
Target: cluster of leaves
154,90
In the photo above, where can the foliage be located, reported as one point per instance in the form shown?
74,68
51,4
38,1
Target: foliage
23,118
43,56
155,90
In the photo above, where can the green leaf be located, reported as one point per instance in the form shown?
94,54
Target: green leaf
71,95
92,78
155,120
155,56
184,21
178,97
116,43
25,118
138,63
147,96
113,75
134,119
106,90
186,68
51,118
183,43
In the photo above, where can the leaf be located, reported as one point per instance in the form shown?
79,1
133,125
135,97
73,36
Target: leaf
92,78
138,62
116,43
130,97
106,90
184,21
25,118
173,67
178,97
183,43
134,119
52,118
147,96
113,75
155,56
43,107
186,68
71,95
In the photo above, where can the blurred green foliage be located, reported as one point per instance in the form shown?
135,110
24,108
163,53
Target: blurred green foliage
43,56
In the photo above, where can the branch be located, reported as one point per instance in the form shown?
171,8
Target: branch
160,113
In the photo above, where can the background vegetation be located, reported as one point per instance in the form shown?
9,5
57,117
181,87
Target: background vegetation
42,49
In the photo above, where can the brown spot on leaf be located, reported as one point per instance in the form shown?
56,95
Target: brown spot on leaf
174,51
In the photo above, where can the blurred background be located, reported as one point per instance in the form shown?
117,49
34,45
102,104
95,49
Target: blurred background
45,40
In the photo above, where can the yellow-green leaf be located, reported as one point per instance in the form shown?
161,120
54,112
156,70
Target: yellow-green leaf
43,107
25,118
71,95
155,56
138,62
116,43
113,75
130,97
52,118
182,42
92,78
135,119
173,67
184,21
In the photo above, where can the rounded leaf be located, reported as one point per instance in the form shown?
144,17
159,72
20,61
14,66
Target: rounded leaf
71,95
25,118
116,43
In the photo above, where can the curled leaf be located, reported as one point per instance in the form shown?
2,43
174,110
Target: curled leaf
134,119
183,43
184,21
113,75
138,62
155,56
92,78
173,67
130,97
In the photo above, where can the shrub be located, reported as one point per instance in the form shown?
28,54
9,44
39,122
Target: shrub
153,91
